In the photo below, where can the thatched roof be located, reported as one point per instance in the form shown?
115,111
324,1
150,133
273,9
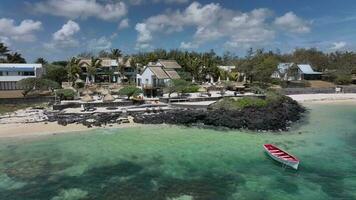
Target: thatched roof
169,64
108,98
87,91
87,98
172,74
159,72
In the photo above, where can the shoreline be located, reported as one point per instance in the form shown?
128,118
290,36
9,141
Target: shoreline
38,129
324,98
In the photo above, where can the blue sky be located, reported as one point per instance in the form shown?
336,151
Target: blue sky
57,30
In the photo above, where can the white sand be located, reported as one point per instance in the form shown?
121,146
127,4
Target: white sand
326,98
25,130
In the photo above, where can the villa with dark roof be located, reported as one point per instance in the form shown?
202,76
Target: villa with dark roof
295,72
155,76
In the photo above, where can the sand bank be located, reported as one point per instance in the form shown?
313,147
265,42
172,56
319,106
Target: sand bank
325,98
43,129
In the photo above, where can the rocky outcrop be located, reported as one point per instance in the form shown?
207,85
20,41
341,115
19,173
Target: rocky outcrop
89,120
275,116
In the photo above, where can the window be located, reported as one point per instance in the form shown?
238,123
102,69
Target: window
28,73
0,73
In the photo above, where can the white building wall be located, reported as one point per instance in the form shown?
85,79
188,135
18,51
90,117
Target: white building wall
10,73
146,77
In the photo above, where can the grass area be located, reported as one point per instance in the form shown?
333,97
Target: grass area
321,84
244,102
7,108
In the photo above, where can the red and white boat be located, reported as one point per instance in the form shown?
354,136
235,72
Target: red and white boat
281,156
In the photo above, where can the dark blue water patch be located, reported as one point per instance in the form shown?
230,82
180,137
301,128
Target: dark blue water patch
125,180
331,181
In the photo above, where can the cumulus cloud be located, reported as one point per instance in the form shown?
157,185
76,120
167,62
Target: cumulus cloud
140,2
338,45
188,45
82,9
292,23
211,22
64,37
101,43
25,31
171,1
124,24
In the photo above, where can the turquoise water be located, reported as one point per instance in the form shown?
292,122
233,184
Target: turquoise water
176,163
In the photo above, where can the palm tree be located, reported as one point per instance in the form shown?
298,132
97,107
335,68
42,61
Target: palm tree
41,61
95,63
3,52
15,58
74,69
116,53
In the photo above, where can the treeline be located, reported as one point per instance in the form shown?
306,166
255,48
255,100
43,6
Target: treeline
257,65
6,56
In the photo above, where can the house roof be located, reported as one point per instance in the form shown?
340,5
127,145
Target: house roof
172,74
307,69
159,72
169,64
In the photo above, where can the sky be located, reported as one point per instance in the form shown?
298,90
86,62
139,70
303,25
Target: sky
60,29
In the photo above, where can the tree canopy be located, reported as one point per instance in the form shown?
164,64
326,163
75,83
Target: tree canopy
31,84
130,91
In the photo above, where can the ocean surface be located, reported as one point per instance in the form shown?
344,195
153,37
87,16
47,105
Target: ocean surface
180,163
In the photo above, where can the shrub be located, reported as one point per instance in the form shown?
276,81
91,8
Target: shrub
343,79
130,91
66,94
39,84
190,89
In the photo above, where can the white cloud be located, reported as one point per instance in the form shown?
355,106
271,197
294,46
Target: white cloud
64,37
144,36
82,9
211,22
101,43
338,45
124,24
188,45
140,2
5,40
172,1
292,23
24,32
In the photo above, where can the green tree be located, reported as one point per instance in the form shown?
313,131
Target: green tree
56,73
92,67
130,91
15,58
116,54
4,51
41,61
74,69
31,84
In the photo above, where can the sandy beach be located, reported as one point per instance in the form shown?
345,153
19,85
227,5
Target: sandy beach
22,130
324,98
44,129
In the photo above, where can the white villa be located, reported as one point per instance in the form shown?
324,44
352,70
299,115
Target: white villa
156,75
227,68
295,72
11,73
109,71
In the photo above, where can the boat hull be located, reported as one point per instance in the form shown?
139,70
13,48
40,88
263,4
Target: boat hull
291,163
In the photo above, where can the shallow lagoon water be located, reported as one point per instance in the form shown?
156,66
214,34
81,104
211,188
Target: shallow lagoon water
176,163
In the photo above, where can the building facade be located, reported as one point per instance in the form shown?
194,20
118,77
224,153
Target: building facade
295,72
11,73
111,71
156,76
